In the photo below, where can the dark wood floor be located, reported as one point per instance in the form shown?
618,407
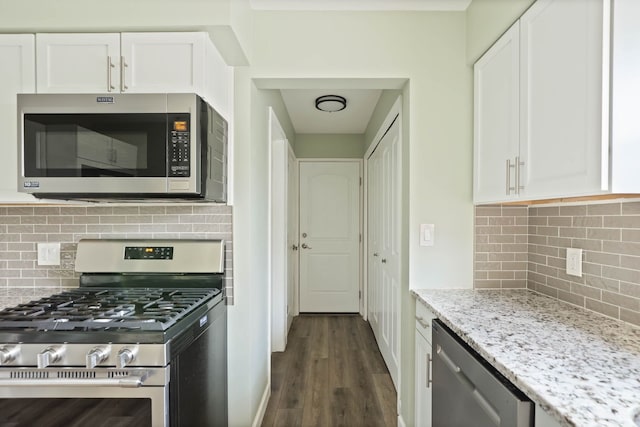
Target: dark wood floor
332,374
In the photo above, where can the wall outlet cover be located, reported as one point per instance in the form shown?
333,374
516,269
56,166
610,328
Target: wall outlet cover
574,262
48,253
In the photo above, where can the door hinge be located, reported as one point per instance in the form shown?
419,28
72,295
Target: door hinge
359,294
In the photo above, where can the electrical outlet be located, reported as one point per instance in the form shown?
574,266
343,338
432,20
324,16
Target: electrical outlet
574,262
48,253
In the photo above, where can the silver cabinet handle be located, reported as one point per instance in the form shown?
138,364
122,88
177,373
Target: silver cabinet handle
508,176
375,254
110,66
429,381
305,246
422,322
509,167
518,179
294,247
384,260
123,66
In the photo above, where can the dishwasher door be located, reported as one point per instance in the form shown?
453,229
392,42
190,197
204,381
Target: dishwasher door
467,391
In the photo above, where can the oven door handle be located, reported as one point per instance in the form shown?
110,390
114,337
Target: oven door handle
128,382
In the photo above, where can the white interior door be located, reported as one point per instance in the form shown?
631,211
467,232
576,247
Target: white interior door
384,222
279,253
292,237
330,236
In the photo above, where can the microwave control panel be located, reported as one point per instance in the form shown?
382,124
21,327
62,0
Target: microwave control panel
179,147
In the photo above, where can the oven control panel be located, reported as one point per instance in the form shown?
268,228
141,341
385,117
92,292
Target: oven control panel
148,252
88,356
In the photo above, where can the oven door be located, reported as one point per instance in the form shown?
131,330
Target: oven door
84,397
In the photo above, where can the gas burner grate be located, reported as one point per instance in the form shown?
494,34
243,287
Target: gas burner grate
107,309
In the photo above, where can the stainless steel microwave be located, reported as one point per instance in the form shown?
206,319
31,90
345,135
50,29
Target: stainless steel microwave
121,146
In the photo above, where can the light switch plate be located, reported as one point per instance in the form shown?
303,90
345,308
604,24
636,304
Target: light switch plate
427,237
48,253
574,262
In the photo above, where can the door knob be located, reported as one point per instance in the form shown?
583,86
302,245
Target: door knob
294,247
304,234
305,246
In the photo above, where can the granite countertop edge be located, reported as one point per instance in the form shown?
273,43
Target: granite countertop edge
549,319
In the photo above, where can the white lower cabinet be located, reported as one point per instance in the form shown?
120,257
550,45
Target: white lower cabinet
543,419
423,366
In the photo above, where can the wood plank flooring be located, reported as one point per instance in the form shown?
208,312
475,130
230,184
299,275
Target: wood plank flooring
332,374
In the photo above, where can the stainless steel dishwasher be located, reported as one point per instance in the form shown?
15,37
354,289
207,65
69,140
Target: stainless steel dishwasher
467,391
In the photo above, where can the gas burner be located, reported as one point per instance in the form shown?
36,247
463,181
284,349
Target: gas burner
107,309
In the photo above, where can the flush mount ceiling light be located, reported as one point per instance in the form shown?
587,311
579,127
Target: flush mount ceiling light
331,103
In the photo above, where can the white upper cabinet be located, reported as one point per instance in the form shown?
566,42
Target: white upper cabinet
17,74
561,103
163,62
625,98
78,63
181,62
496,118
578,133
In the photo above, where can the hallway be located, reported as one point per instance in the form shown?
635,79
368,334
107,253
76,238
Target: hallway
332,374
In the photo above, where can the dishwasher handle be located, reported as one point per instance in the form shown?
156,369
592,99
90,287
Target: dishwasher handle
473,390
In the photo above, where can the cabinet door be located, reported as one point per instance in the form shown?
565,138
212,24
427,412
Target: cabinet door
78,63
561,132
163,62
423,381
17,74
496,116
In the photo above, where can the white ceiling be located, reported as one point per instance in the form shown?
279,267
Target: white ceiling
306,118
411,5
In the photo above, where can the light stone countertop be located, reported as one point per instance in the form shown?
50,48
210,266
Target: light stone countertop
581,367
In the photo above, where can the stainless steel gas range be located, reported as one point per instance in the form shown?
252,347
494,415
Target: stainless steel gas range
141,342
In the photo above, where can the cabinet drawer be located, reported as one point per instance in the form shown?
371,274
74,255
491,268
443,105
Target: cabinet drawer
424,316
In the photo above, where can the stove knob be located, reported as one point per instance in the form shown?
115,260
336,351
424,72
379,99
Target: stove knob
8,354
125,357
96,356
49,356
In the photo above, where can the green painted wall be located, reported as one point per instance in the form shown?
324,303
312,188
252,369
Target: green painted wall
387,98
487,20
329,146
428,50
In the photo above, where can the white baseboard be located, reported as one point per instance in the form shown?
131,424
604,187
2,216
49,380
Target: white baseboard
401,421
257,421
